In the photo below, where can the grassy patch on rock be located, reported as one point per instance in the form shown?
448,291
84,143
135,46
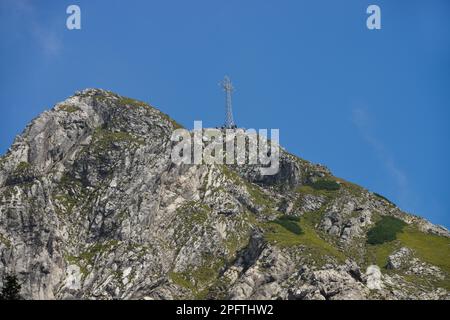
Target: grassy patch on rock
70,194
307,189
290,223
22,167
133,103
104,140
125,101
257,196
193,213
23,174
68,108
5,241
281,232
325,184
430,248
199,279
378,254
86,259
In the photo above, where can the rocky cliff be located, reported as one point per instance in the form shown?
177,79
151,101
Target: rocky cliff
91,206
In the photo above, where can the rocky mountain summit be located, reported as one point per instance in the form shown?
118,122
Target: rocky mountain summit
92,207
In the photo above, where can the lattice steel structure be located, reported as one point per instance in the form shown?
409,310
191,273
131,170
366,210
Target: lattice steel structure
228,88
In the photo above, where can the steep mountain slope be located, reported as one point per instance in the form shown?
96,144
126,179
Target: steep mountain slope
93,207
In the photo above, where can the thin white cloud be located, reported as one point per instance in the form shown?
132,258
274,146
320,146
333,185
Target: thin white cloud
364,123
48,40
25,13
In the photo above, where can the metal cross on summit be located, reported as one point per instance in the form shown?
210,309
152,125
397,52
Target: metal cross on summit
228,88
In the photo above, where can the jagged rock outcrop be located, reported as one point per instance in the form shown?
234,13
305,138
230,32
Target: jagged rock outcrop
91,206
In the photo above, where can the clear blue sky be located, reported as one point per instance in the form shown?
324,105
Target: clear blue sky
371,105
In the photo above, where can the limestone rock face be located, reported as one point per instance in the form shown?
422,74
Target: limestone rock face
399,258
92,207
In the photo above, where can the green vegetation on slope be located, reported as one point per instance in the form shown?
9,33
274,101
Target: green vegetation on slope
385,230
428,247
70,194
104,140
325,197
283,235
11,288
86,259
290,223
5,241
325,184
352,188
125,101
258,196
193,213
199,279
23,174
68,108
378,254
22,167
322,188
204,275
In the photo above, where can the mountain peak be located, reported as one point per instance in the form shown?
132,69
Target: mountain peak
93,207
